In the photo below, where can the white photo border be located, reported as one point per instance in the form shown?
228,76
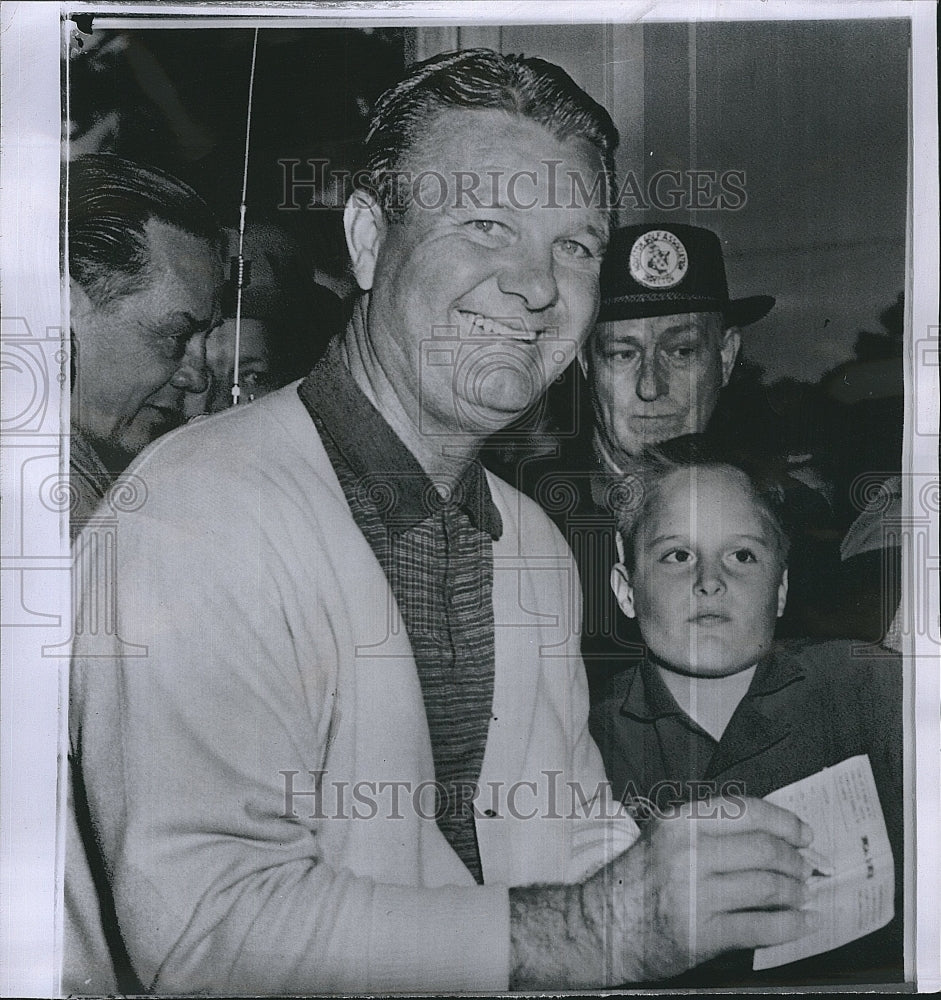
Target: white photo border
35,552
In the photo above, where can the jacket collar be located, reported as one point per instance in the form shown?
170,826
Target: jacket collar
649,699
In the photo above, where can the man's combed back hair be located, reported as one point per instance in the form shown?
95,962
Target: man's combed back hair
110,202
639,492
478,79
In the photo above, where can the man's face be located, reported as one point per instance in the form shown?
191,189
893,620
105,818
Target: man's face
139,355
656,378
707,583
478,303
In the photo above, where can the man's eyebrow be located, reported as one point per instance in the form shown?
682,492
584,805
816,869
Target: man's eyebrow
607,339
179,318
485,205
678,329
183,320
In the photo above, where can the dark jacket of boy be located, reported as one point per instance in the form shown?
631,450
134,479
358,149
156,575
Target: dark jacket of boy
810,705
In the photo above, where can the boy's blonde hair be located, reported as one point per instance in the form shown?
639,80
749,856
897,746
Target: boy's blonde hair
636,495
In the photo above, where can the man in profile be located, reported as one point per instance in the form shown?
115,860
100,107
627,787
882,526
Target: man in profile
145,273
346,760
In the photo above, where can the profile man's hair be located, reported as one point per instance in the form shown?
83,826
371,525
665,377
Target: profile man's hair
634,497
110,202
478,79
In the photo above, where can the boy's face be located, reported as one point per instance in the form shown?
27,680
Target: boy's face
707,583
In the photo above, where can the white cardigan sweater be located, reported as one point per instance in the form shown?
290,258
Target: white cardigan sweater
257,635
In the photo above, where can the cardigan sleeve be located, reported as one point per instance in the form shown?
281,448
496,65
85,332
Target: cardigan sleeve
607,829
187,707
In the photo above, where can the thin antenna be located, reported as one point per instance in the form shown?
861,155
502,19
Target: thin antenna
240,259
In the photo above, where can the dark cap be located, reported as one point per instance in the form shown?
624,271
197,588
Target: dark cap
663,268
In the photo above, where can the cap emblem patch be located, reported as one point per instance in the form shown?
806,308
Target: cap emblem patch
658,259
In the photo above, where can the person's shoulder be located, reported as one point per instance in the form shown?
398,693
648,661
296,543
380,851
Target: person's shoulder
259,463
836,662
232,444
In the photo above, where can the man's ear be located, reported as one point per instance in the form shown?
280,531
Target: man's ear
619,544
80,305
731,341
365,228
782,594
623,591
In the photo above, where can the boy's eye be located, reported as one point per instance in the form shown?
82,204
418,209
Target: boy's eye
744,556
678,556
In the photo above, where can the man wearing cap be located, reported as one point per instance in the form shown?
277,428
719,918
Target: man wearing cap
666,340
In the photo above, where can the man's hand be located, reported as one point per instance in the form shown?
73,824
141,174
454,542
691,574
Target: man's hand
712,878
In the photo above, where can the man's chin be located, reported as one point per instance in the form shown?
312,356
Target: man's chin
633,444
494,412
149,424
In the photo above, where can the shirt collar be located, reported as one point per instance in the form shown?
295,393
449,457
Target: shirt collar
649,699
604,456
386,471
82,455
775,671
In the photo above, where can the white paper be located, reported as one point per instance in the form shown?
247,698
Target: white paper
842,806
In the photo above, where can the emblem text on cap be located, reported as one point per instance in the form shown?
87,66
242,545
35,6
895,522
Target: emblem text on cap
658,259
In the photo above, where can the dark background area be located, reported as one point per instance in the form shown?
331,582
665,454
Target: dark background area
178,99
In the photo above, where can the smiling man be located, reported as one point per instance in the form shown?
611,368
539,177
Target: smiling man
145,275
353,755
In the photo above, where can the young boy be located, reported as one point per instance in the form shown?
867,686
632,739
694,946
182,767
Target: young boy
717,707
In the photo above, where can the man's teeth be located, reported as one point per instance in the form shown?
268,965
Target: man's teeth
488,327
